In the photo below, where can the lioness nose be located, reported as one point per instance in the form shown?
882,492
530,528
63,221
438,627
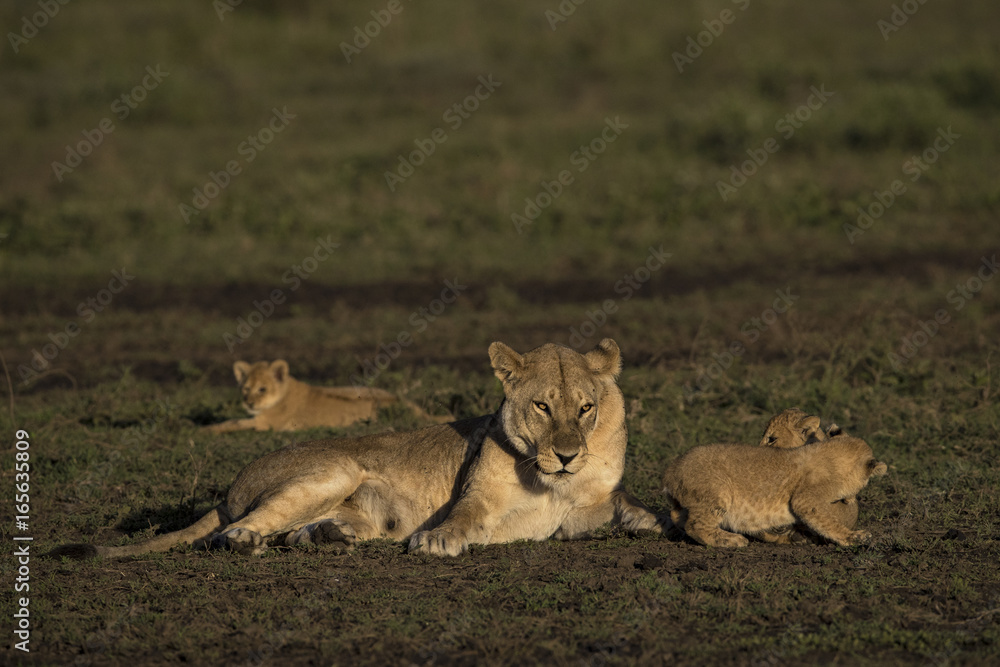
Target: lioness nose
565,458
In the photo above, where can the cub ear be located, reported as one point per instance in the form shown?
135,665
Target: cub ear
808,424
505,361
810,429
605,359
877,468
833,430
279,368
241,369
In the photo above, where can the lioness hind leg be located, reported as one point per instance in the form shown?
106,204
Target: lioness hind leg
704,527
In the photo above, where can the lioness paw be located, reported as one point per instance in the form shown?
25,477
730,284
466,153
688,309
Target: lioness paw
438,543
330,531
859,537
643,522
241,540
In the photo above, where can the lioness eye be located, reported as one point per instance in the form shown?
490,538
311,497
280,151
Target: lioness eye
262,390
587,408
544,407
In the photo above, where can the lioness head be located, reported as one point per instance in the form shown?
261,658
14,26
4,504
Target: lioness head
262,384
555,400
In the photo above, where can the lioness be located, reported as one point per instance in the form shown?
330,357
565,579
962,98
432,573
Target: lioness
279,402
719,491
548,463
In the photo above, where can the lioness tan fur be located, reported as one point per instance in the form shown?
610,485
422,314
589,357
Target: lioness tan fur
794,428
548,463
719,493
279,402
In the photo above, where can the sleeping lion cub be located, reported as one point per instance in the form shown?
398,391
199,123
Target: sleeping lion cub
279,402
717,492
547,463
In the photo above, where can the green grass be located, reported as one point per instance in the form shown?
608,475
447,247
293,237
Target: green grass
117,453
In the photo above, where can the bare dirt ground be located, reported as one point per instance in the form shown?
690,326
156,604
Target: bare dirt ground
926,591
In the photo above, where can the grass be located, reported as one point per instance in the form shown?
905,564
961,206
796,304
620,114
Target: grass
114,414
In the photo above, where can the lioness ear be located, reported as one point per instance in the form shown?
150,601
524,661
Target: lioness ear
505,361
279,368
240,370
877,468
605,359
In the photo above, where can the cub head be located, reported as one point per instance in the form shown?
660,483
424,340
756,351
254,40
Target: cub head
852,460
793,428
262,384
560,403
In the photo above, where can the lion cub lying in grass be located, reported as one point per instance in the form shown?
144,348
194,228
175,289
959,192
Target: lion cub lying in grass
279,402
717,492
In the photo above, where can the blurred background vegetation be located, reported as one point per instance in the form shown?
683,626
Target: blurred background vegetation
326,173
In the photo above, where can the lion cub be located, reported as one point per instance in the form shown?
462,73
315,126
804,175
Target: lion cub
279,402
794,428
717,492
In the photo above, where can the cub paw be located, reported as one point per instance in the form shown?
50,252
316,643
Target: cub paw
241,540
330,531
728,540
438,543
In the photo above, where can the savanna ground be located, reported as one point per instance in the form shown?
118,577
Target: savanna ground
114,412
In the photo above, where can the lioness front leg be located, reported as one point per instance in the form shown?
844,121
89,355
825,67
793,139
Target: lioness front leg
619,509
468,522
